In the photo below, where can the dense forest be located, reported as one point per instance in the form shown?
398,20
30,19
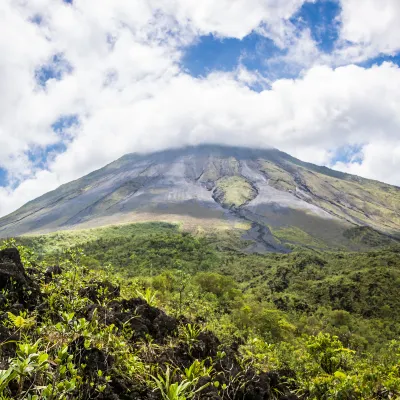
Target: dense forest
147,311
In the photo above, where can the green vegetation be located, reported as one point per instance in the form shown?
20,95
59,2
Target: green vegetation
278,177
147,311
220,167
235,191
349,197
368,236
297,236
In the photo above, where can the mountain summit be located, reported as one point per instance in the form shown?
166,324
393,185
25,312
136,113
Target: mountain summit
274,198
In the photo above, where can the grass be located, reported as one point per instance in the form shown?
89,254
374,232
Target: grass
297,236
236,190
351,198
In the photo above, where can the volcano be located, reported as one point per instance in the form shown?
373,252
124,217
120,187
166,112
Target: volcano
273,199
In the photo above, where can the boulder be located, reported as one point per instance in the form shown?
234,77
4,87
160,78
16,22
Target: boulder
51,271
99,291
18,286
12,270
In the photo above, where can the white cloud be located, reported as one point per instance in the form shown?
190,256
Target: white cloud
231,18
324,110
371,24
130,94
367,29
380,159
17,67
302,53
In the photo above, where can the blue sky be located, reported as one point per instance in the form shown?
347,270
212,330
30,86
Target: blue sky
87,82
322,18
212,53
56,68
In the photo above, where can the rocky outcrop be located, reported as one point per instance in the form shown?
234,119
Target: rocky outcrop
97,291
51,272
21,290
11,269
135,314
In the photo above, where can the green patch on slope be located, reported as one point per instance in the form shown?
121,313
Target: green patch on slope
365,201
278,177
358,200
234,191
297,236
117,196
57,242
218,168
368,236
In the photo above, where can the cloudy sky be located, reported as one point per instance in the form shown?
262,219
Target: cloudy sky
83,82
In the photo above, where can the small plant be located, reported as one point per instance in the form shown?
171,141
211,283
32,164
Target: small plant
29,361
149,296
6,376
65,379
105,380
74,256
189,334
197,370
21,321
329,352
175,390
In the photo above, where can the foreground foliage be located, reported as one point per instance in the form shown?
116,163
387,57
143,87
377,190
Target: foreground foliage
160,314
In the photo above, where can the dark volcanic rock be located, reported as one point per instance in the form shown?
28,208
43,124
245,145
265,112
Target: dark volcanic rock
11,268
94,358
135,313
148,319
99,291
51,271
207,345
22,291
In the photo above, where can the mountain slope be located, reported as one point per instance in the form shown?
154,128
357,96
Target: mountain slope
267,192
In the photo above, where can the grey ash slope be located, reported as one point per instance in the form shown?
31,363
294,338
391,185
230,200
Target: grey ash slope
214,187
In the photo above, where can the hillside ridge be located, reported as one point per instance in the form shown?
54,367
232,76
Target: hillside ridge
217,187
